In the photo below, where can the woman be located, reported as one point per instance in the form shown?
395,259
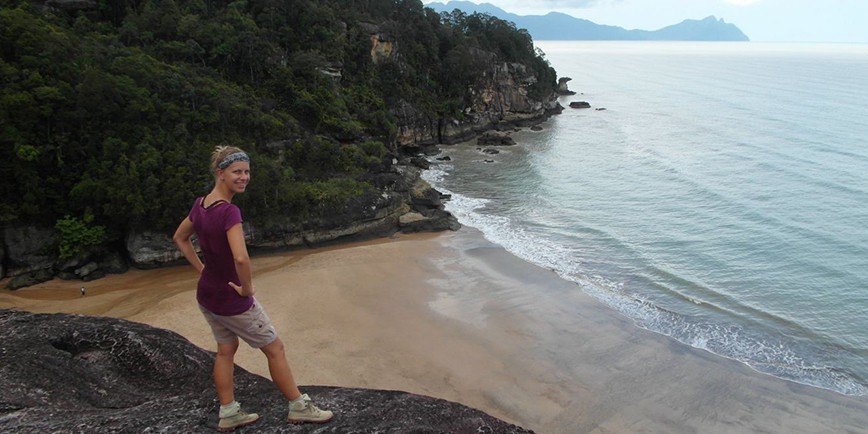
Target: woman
225,292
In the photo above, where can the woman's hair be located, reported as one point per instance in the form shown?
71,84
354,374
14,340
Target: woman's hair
221,152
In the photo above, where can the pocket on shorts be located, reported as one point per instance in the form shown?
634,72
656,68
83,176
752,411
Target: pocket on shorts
258,320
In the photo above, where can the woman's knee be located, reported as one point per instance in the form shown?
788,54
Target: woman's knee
227,349
275,348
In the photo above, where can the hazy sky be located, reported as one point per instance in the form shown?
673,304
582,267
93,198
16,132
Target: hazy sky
760,20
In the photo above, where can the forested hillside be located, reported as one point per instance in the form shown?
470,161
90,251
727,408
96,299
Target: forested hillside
109,108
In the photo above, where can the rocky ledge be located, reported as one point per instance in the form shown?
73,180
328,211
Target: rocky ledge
403,202
85,374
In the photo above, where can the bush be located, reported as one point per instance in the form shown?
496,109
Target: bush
76,236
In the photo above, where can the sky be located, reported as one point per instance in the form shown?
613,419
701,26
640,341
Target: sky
760,20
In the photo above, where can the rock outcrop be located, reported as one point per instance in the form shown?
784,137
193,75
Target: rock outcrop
403,202
495,138
499,102
563,88
83,374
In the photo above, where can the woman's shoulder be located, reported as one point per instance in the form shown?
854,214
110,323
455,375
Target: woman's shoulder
230,210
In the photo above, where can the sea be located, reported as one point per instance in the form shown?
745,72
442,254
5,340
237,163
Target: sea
714,192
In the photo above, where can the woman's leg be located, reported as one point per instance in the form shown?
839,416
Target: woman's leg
279,369
224,366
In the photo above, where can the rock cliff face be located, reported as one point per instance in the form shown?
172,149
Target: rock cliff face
501,101
81,374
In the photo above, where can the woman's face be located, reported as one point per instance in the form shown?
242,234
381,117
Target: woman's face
236,176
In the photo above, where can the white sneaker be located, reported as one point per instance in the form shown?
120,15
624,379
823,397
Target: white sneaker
235,417
304,411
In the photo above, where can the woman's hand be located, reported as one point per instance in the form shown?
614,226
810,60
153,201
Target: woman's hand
240,290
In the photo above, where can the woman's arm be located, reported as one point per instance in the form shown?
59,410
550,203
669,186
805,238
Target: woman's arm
182,239
235,235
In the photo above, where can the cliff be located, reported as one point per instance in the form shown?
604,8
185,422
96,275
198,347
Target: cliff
82,374
337,106
499,98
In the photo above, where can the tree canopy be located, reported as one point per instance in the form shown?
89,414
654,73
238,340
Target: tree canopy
108,113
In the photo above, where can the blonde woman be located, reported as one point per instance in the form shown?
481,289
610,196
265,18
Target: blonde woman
225,292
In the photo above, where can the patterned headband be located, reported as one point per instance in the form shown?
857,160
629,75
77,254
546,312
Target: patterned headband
231,158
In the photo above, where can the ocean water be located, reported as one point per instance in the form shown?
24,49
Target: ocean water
721,198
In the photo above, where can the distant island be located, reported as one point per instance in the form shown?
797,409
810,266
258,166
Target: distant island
559,26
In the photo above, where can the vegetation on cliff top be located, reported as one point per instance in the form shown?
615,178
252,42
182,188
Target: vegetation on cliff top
108,112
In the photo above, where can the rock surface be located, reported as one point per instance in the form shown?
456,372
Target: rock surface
84,374
495,138
580,104
563,87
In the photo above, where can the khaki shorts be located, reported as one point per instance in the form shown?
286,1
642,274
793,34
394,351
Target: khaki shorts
253,327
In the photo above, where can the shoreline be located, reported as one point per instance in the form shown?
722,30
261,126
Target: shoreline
453,316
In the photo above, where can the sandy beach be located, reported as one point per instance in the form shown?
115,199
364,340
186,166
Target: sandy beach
453,316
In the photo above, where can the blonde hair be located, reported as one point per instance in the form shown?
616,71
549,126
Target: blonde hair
221,152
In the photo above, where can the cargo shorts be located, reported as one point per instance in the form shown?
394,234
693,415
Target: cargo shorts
252,326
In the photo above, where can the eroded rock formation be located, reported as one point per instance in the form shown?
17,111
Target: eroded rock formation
82,374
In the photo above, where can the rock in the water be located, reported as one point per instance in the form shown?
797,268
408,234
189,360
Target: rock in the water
495,138
85,374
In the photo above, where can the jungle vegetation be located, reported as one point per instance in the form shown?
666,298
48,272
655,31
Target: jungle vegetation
108,114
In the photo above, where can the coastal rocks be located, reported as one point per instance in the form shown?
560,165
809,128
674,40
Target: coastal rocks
499,99
149,249
28,249
27,256
428,213
495,138
563,89
399,190
86,266
420,162
371,215
75,373
29,279
580,104
501,102
92,265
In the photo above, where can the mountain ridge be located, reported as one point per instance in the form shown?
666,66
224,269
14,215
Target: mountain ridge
560,26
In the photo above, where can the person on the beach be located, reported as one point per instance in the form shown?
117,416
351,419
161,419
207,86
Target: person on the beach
225,292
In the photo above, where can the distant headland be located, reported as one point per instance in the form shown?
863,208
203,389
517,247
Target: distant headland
559,26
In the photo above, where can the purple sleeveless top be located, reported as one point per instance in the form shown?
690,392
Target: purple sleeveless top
213,291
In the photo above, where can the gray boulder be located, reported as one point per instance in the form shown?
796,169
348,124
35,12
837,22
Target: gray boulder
580,104
152,249
28,249
495,138
84,374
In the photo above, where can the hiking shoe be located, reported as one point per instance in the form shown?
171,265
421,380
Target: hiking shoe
304,411
234,418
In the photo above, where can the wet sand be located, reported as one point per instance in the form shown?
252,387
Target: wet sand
452,316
